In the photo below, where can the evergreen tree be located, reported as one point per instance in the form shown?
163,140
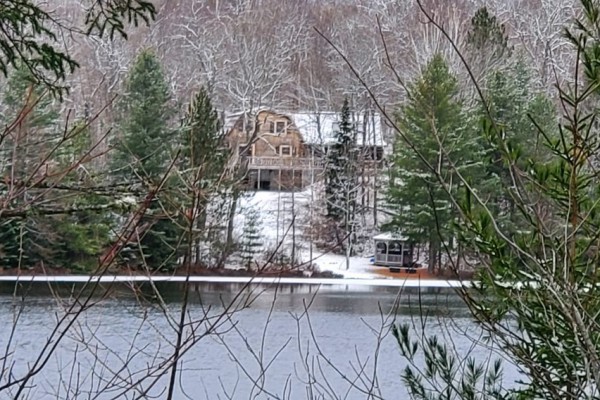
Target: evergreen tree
204,159
251,243
82,235
141,155
142,148
487,41
30,111
535,299
433,118
27,104
519,112
341,184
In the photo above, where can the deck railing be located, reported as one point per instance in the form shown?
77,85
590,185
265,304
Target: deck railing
284,163
297,163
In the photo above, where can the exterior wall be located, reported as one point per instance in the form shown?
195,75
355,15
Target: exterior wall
282,157
267,142
270,142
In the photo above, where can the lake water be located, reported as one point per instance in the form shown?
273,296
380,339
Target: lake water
289,342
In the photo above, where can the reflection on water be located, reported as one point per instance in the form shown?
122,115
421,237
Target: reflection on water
292,342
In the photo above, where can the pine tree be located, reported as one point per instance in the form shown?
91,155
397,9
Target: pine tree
251,243
487,42
432,118
204,159
140,156
519,111
536,298
341,184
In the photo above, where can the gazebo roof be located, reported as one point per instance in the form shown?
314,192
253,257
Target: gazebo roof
389,236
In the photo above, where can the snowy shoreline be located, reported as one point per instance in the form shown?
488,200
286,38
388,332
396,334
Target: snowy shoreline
408,283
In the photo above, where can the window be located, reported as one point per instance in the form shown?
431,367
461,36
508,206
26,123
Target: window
395,248
280,127
285,151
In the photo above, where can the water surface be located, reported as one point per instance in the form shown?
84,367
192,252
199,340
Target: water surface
290,342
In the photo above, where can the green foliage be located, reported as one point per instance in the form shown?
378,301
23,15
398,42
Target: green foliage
487,34
204,152
141,155
11,251
436,372
514,139
341,184
35,135
142,150
435,143
28,37
203,161
81,235
536,291
251,242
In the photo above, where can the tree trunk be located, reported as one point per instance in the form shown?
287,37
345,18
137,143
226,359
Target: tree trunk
434,246
229,239
200,234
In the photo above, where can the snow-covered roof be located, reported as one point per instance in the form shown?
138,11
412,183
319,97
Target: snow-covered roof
320,127
390,236
230,119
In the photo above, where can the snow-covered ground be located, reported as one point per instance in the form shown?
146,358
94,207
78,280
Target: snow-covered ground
276,211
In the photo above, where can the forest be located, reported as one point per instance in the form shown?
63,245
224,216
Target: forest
113,155
122,161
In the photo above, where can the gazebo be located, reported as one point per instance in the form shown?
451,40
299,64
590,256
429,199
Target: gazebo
393,250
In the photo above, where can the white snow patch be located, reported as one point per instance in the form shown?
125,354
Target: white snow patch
276,211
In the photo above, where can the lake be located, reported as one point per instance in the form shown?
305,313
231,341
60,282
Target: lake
261,342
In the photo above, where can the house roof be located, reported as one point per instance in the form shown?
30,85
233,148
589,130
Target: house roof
320,127
390,236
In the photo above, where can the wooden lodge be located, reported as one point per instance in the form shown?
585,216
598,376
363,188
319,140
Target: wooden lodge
285,151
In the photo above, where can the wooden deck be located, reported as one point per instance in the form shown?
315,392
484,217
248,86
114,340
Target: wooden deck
297,163
284,163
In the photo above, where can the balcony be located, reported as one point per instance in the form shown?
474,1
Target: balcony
283,163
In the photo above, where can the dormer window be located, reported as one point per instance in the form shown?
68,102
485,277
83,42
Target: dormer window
280,127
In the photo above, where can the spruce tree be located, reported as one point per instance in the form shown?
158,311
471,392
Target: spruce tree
142,147
341,184
204,158
534,295
251,243
432,118
140,156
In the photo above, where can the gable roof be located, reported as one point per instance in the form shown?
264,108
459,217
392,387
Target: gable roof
319,128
